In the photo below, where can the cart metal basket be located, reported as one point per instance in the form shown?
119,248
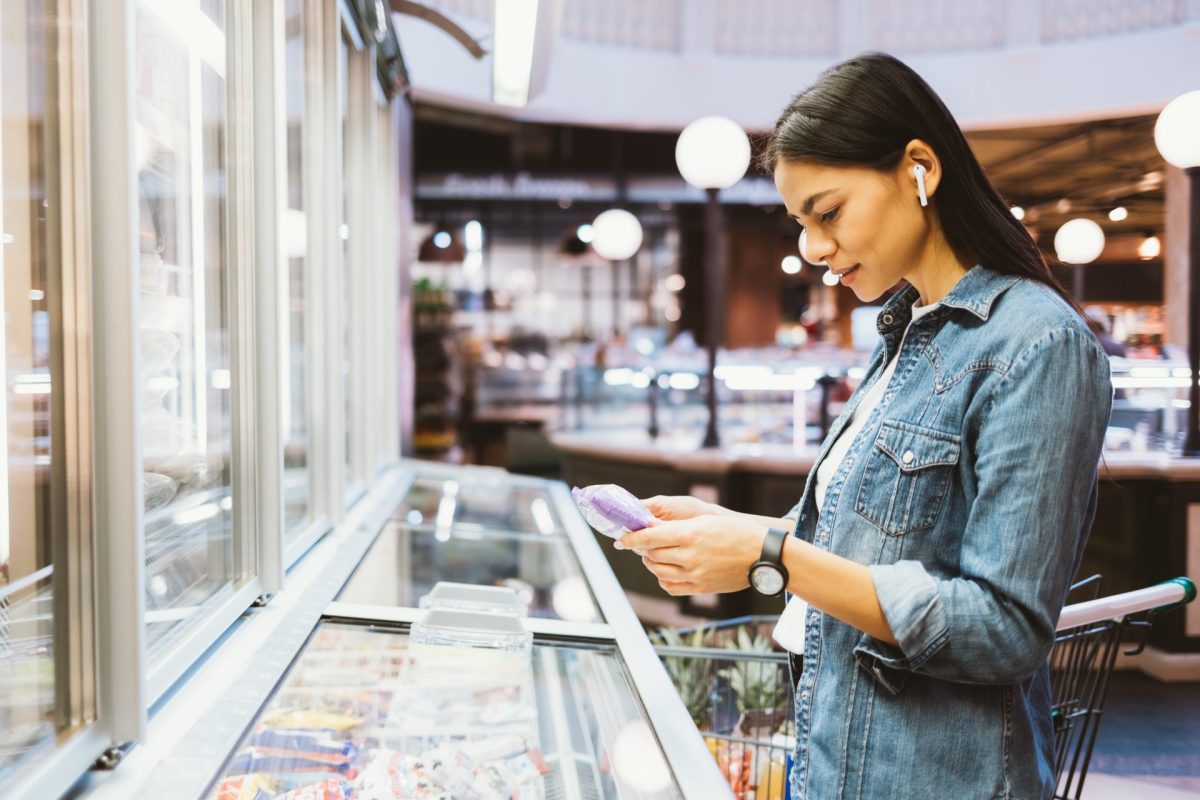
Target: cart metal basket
735,683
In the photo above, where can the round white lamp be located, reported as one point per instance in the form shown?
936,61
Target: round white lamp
712,153
616,234
1079,241
1177,136
1177,132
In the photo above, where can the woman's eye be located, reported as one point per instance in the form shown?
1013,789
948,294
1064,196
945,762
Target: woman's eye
830,216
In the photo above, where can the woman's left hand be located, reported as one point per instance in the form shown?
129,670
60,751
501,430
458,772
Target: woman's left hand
700,555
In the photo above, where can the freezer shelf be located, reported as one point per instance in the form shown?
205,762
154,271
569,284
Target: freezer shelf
474,502
404,564
364,714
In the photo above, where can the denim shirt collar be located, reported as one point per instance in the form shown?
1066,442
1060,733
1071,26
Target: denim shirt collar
975,292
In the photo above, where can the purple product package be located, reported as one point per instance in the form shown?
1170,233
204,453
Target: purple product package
612,510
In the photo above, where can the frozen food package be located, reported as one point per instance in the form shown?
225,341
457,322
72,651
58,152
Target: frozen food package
245,787
611,510
325,790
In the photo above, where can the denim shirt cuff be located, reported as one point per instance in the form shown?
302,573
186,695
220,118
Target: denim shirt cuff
909,598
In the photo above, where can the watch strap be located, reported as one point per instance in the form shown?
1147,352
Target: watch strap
772,549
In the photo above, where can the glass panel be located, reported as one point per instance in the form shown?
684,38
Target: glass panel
473,504
186,440
295,225
30,253
364,714
347,310
403,565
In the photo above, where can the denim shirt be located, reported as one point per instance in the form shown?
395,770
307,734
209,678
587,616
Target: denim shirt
969,493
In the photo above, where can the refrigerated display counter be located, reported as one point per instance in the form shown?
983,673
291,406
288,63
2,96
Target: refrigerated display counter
372,707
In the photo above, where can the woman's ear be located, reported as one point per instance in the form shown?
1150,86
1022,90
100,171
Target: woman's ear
919,152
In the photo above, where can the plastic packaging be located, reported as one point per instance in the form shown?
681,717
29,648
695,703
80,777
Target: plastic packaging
472,629
612,510
472,597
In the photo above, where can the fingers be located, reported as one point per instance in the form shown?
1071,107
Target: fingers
677,588
647,539
665,571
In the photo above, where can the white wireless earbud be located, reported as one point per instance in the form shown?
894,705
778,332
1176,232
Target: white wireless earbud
919,171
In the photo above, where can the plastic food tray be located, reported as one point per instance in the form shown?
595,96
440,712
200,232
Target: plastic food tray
449,596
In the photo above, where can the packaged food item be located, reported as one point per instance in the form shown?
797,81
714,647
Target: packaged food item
309,746
611,510
311,720
245,787
325,790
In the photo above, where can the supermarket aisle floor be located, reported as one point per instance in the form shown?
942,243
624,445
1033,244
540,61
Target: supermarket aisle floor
1149,742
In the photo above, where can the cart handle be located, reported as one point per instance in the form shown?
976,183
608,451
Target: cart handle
1162,597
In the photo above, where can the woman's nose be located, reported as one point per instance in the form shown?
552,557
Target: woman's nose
816,250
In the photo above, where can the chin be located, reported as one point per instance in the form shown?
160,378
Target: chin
867,294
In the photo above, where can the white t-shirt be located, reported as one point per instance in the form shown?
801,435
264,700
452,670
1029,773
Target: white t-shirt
789,631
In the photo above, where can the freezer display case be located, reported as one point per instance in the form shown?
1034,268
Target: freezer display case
466,660
373,713
405,563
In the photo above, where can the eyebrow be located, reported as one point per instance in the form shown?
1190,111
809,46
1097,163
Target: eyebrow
813,198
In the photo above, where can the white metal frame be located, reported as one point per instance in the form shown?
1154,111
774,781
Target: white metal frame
270,332
361,267
120,558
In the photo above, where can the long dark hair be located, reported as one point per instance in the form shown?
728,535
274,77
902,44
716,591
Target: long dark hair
864,112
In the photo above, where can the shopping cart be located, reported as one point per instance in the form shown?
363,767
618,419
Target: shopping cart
1089,637
736,686
734,682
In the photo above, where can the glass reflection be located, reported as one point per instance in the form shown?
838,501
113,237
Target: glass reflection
30,244
295,242
403,565
479,504
343,67
183,176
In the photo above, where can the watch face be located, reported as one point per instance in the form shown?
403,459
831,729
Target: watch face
767,579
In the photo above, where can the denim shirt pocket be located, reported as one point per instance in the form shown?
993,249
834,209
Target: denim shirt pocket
906,477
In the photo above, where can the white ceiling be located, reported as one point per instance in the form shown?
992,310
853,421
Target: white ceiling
658,64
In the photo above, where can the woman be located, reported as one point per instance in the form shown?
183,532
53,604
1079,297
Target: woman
947,510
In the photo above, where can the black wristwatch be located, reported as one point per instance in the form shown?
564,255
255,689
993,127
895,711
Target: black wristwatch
768,575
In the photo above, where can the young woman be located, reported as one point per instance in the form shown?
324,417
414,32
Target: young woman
946,512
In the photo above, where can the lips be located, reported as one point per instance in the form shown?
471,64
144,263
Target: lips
847,275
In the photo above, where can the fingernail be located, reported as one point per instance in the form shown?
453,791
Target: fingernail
618,545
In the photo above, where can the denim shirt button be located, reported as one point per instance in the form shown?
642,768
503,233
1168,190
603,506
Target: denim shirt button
908,457
887,319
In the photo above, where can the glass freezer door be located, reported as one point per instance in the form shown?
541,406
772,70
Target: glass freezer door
404,563
367,713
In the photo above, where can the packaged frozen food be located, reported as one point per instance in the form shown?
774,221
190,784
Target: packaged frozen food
325,790
311,720
611,510
245,787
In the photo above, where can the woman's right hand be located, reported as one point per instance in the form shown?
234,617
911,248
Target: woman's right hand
675,507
